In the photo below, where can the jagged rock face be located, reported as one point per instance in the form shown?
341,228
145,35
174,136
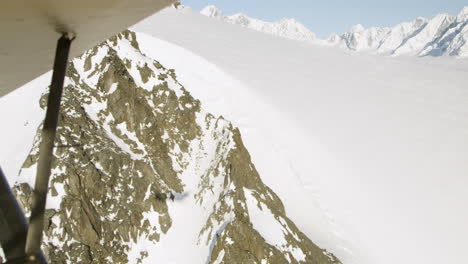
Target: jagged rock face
134,149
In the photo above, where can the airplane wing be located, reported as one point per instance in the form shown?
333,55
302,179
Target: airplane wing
30,28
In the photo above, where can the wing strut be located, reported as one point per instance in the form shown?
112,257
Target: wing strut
36,222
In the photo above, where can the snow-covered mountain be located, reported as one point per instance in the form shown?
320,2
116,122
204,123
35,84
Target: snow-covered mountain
287,27
443,35
143,172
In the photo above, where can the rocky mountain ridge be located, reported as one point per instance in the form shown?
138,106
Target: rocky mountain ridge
142,173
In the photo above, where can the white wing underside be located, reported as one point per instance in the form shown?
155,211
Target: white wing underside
30,29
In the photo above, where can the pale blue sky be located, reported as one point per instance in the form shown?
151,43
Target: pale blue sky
336,16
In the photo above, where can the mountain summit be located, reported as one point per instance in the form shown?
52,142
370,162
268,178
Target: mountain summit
212,11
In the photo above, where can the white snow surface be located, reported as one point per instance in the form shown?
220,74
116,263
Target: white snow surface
266,225
264,221
368,153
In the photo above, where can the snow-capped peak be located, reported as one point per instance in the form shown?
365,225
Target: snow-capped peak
464,11
463,15
212,11
357,28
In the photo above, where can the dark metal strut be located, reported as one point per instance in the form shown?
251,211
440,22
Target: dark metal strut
36,222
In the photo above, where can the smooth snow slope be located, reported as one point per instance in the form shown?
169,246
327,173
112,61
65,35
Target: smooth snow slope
379,145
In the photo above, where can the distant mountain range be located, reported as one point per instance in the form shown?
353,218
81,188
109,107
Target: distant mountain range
287,28
443,35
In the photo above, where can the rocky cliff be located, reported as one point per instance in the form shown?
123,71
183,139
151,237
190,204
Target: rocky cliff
142,171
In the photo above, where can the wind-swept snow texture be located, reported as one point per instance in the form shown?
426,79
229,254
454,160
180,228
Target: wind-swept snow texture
368,153
443,35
